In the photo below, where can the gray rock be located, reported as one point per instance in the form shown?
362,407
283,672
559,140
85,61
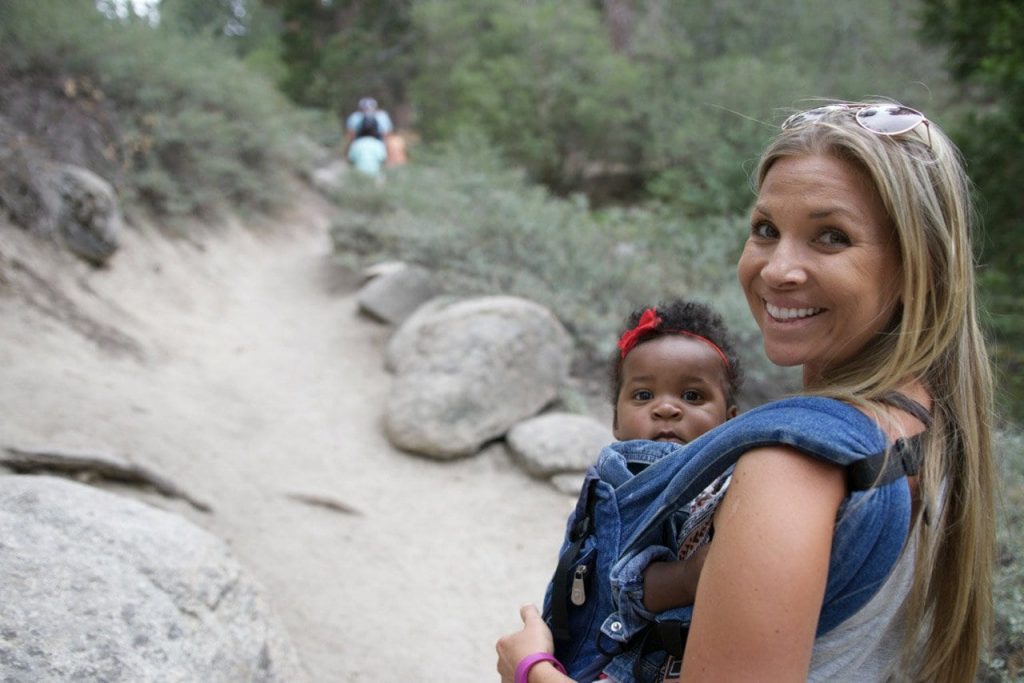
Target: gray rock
88,215
470,370
557,442
61,201
99,587
381,268
569,483
393,296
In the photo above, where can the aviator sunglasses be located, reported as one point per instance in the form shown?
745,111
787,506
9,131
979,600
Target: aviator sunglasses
883,119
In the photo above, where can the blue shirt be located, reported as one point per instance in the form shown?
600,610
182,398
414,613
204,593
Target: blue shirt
355,119
367,155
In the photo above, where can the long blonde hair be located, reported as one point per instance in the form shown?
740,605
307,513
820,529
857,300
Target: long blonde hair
935,337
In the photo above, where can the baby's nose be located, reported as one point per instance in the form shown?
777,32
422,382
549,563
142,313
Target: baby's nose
667,408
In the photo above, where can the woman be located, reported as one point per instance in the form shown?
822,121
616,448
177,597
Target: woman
858,268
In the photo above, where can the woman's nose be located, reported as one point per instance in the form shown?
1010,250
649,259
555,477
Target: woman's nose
785,266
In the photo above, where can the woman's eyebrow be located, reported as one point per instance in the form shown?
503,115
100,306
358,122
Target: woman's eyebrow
825,213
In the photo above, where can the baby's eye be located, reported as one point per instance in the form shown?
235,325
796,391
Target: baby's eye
692,395
764,230
642,395
834,238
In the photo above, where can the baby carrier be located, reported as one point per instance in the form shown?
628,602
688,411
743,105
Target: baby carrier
634,502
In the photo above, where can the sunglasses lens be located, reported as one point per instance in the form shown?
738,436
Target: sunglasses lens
889,119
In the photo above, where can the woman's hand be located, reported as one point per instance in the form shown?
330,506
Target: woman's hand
535,636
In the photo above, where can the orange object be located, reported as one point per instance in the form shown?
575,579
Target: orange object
397,155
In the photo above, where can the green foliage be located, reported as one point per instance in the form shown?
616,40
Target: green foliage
198,128
538,80
987,57
339,51
248,28
461,212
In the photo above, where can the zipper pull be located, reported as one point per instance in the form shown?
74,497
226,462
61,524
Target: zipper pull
578,595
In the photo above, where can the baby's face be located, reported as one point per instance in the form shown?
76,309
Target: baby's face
673,389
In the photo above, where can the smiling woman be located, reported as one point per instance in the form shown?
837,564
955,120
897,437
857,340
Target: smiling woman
858,269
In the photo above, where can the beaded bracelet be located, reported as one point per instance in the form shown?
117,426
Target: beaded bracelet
527,662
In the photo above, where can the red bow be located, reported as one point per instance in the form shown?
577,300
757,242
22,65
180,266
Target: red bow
649,322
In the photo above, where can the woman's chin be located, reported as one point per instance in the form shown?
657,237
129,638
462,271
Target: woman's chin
783,357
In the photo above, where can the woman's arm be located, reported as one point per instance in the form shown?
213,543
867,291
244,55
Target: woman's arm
764,577
535,636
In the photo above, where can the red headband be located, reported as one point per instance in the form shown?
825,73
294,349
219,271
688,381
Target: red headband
649,322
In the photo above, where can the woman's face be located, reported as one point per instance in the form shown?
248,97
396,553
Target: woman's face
821,268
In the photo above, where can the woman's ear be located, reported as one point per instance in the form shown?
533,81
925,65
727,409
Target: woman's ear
732,411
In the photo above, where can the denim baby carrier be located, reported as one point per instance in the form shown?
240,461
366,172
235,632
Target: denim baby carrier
634,503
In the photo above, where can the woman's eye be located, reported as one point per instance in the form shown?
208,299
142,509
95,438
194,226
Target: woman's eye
642,395
834,238
763,230
692,395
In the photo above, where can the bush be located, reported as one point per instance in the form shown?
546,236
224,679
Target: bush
198,129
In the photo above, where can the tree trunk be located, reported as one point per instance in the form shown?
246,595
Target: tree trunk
620,16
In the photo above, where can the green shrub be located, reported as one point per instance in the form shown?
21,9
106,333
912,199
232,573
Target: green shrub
199,130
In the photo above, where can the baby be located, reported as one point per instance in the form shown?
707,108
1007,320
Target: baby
676,376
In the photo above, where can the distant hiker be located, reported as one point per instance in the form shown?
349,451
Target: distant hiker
368,114
367,153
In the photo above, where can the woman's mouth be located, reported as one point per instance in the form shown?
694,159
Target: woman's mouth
784,314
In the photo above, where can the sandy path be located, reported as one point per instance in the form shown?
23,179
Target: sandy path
260,380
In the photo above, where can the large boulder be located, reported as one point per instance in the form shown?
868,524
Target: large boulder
471,369
95,586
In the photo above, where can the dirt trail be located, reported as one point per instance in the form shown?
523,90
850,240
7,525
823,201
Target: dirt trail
259,380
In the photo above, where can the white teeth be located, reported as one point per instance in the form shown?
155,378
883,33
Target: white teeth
790,313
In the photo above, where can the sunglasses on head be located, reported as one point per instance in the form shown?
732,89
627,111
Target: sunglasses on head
883,119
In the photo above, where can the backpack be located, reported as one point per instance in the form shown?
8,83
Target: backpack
634,501
368,126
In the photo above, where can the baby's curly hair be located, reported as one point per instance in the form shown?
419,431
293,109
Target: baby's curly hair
690,316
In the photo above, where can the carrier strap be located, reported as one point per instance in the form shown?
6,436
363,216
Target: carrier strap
903,459
560,582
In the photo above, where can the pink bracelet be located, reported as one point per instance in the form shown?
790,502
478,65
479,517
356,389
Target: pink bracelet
527,662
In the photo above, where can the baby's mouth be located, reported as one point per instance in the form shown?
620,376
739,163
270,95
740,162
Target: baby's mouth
669,436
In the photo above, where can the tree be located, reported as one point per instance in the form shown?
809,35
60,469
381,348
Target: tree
338,51
987,56
538,79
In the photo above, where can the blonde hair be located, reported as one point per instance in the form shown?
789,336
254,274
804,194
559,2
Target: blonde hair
935,336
